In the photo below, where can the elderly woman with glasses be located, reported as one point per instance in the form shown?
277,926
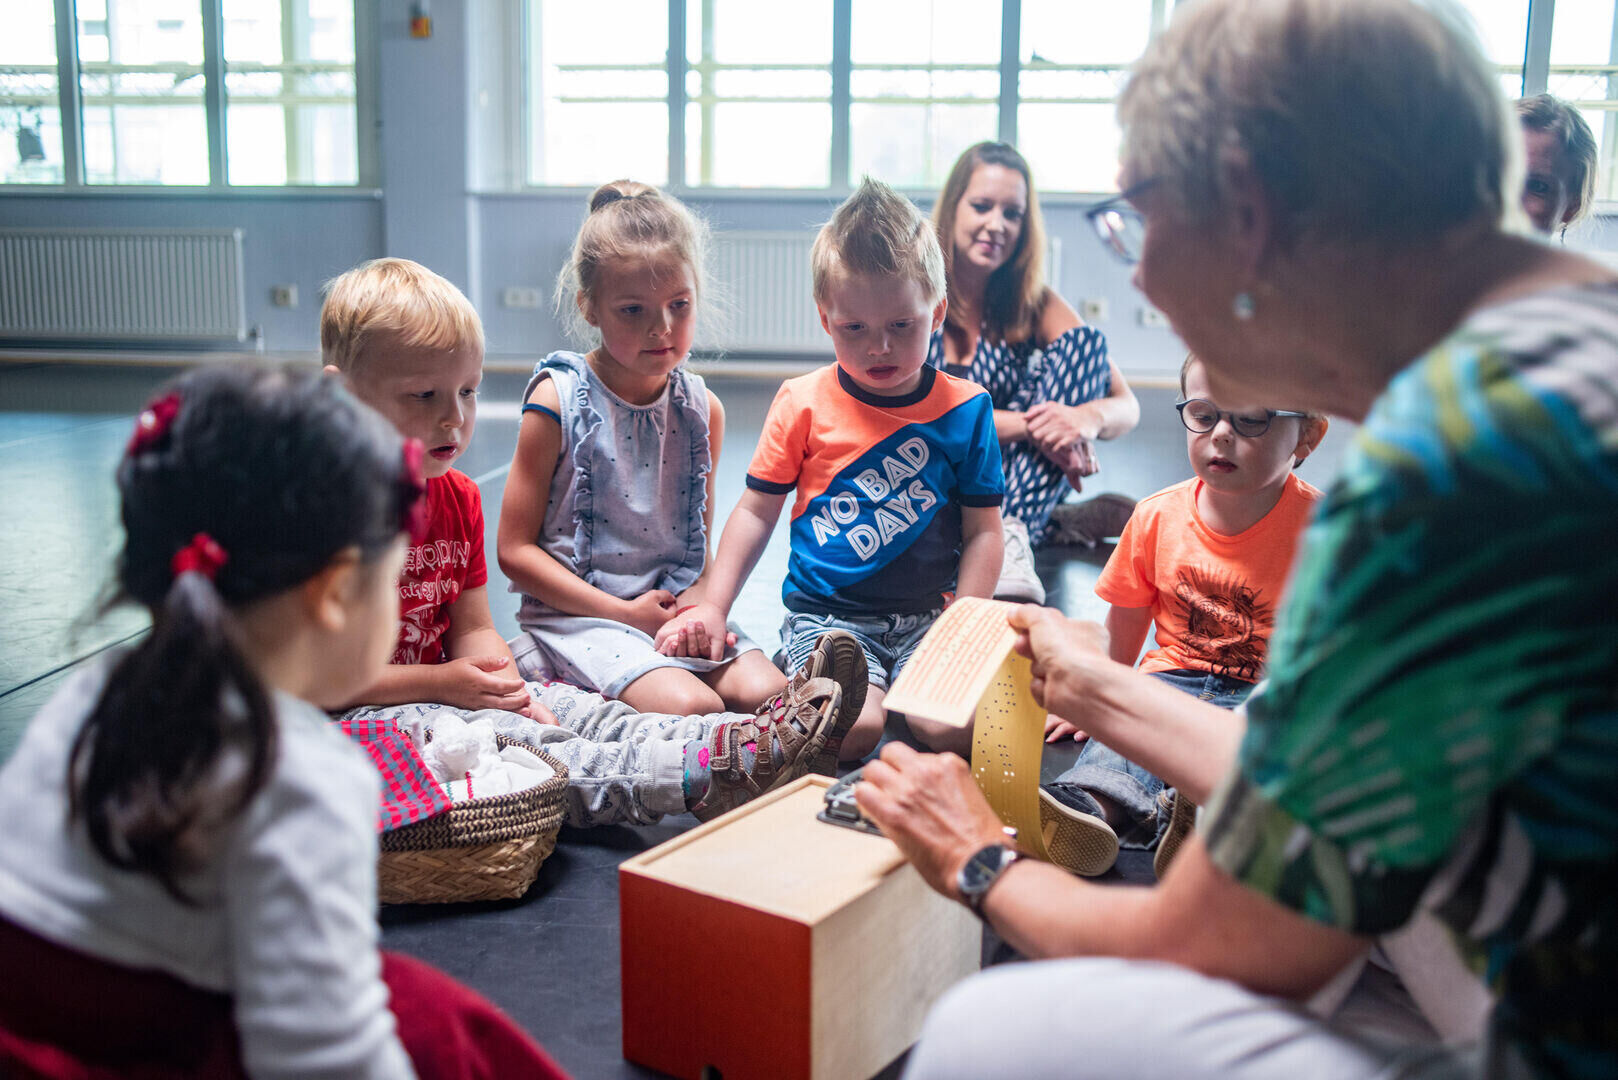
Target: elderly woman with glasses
1055,390
1320,189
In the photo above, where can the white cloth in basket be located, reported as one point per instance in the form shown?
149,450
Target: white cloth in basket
464,757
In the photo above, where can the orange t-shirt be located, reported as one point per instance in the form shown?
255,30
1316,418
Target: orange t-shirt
1213,597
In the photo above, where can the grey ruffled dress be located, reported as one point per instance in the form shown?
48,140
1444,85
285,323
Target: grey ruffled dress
625,513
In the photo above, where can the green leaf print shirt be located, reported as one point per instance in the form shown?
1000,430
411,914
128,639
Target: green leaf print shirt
1439,725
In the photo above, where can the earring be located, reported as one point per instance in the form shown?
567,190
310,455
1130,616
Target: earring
1242,307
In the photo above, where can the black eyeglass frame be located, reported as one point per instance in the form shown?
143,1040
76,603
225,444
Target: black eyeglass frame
1119,204
1236,422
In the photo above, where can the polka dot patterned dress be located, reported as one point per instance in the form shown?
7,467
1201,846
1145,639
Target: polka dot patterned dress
1071,370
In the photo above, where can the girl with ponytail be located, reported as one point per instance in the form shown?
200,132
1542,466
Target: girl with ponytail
190,849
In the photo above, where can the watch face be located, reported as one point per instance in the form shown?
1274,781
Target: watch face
981,870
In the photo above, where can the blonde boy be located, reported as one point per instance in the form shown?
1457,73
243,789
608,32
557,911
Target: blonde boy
895,464
411,346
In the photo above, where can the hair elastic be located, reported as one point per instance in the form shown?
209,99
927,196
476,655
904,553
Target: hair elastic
203,555
153,423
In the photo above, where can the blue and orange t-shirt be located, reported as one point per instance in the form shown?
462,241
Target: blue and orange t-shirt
876,528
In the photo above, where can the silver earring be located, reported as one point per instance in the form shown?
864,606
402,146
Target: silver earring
1242,307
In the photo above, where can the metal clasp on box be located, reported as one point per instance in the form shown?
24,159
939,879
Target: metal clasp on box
840,808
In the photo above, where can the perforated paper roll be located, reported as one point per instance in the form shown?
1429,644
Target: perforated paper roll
966,669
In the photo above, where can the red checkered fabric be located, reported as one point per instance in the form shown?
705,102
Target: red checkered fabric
409,792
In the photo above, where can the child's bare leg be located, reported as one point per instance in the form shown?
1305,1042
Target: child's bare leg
672,690
745,682
941,737
867,730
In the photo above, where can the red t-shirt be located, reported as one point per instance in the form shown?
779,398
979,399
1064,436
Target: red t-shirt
1213,596
437,570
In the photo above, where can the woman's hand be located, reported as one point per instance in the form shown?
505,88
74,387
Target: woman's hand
930,806
1065,653
648,611
1054,427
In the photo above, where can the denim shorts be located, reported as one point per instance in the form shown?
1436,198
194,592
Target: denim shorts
1220,690
888,640
1101,769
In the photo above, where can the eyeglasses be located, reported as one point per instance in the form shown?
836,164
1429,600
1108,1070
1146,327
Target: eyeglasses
1201,417
1120,226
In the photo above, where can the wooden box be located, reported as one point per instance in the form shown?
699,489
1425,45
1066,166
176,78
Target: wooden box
768,944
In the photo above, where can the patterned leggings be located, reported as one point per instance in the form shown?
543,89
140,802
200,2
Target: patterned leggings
624,767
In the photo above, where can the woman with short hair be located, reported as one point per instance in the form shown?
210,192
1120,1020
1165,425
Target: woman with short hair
1438,732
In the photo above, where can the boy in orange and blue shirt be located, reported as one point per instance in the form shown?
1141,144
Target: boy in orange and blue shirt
895,464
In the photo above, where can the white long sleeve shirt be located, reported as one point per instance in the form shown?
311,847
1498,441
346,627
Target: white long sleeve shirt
287,924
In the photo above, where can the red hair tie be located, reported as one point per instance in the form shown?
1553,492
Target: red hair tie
153,423
203,554
415,511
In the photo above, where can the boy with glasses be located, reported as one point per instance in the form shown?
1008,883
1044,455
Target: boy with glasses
1204,563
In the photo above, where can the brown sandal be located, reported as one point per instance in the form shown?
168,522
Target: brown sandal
791,722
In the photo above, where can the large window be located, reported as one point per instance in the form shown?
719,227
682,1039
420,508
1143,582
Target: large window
924,85
1583,68
146,92
1073,63
598,102
30,103
747,94
758,93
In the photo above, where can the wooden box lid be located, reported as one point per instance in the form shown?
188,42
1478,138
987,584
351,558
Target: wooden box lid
774,855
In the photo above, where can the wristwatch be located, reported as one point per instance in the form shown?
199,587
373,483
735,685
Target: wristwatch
974,879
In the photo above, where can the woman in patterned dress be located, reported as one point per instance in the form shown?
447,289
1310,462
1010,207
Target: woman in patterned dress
1054,388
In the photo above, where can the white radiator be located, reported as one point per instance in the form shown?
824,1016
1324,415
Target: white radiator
768,291
122,285
768,288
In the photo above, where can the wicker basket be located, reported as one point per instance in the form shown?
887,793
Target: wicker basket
486,849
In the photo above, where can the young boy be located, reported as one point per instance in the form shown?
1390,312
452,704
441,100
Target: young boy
895,464
1204,562
410,345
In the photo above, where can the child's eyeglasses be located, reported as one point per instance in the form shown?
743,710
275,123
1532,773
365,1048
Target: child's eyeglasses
1201,417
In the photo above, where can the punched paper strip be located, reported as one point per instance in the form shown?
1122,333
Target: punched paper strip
966,667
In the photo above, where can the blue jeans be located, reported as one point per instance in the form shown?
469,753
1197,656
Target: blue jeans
888,641
1102,770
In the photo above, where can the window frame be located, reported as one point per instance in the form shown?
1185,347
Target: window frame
70,104
1535,73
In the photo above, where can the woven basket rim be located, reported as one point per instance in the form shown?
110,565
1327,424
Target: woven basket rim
490,820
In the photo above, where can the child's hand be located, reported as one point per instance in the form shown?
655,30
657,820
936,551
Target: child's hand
699,632
541,714
1057,729
649,611
474,682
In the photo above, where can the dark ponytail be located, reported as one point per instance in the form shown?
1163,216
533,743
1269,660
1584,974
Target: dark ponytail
279,473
